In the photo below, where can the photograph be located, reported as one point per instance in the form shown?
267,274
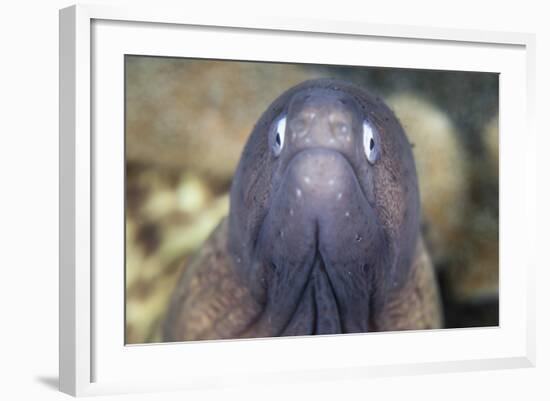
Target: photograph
267,199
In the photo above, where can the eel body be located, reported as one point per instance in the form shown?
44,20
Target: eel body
323,233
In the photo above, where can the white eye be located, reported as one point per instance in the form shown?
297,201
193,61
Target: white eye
370,143
279,139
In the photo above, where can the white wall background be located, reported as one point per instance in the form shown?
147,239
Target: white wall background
29,200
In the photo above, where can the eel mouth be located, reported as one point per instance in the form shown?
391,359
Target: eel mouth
317,310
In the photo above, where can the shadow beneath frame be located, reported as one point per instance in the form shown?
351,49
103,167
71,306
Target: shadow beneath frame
52,382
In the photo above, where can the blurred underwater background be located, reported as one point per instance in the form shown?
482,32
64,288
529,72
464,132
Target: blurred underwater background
187,121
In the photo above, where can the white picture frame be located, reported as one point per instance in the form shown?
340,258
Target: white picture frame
93,357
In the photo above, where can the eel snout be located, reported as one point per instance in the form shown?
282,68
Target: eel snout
322,178
320,199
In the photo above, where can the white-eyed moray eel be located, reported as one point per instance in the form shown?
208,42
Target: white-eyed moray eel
323,233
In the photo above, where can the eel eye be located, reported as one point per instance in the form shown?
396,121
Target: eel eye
370,143
279,139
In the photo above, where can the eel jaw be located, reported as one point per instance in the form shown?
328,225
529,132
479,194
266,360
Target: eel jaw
315,249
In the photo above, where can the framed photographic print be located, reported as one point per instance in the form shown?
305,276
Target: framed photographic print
266,201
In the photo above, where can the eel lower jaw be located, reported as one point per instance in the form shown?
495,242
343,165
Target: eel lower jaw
315,310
